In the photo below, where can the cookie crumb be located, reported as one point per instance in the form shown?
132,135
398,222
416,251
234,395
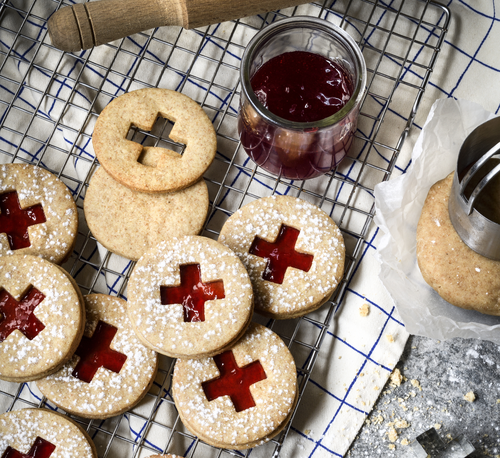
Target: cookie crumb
416,384
437,426
392,434
396,377
364,310
390,338
470,396
405,441
392,446
402,424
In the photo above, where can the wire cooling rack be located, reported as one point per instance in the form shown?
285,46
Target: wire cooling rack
49,102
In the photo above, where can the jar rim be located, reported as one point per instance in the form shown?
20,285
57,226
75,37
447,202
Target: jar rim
302,22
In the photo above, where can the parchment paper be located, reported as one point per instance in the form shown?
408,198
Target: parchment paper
399,203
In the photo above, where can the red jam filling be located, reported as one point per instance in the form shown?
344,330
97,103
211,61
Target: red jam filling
301,86
14,220
19,315
40,449
192,293
234,381
94,352
281,254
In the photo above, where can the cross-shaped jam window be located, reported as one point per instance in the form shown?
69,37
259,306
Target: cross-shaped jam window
19,315
94,352
192,293
40,449
234,381
14,220
281,254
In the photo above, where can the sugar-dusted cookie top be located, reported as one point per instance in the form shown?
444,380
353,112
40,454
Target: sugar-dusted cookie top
41,317
37,213
293,251
129,222
189,297
43,433
239,398
459,275
121,157
111,370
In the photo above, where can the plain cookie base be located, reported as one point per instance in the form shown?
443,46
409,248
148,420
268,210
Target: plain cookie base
74,440
129,223
134,379
458,274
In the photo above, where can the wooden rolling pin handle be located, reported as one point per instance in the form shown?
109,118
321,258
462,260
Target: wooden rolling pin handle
85,25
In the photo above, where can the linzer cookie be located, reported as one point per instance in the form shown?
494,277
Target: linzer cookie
293,251
40,433
459,275
242,397
189,297
121,157
111,370
37,213
42,317
130,223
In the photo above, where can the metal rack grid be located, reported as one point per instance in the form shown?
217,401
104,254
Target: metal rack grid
61,97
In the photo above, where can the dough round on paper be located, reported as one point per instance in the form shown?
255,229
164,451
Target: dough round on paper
459,275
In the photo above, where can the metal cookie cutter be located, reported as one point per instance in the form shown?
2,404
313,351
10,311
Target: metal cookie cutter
474,204
429,444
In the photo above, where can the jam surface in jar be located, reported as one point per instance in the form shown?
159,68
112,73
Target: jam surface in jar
301,86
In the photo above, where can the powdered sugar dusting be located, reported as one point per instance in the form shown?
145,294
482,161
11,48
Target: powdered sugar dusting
60,312
163,326
53,239
108,393
218,420
20,428
318,236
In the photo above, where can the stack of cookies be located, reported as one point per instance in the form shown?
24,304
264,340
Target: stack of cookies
142,195
189,297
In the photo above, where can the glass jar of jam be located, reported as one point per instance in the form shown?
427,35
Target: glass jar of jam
302,83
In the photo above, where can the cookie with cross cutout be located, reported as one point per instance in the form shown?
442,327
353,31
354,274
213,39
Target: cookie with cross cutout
189,297
37,213
293,251
42,317
111,370
122,157
242,397
41,433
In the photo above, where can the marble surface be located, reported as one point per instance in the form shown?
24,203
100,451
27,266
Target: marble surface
436,377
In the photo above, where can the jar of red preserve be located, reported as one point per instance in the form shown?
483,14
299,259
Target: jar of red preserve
302,82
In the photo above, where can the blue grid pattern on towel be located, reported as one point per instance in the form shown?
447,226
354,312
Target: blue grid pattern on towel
32,103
